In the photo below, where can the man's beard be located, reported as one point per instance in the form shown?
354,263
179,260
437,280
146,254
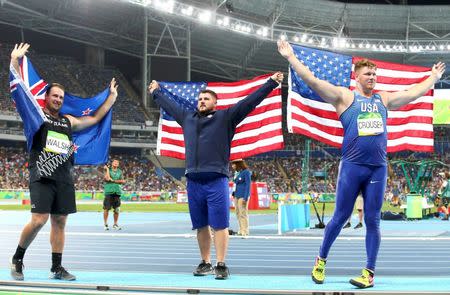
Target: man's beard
204,112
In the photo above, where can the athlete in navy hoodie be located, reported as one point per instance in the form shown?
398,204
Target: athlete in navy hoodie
207,136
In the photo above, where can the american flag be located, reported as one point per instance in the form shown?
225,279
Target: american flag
409,127
259,132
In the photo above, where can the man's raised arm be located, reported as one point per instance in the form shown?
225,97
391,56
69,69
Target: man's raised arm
17,53
397,99
80,123
327,91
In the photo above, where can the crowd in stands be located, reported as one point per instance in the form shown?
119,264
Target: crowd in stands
281,175
13,168
139,172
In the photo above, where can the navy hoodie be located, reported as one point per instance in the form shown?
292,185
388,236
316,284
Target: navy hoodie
207,138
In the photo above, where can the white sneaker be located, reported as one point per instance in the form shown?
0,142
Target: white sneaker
106,227
117,227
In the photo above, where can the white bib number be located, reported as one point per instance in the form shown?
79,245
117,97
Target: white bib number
57,143
370,124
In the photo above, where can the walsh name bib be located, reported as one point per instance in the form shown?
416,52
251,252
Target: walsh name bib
57,143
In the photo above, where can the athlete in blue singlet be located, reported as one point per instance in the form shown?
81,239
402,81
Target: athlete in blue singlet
363,166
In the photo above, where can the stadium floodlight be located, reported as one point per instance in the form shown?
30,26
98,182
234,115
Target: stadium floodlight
321,39
165,5
265,31
205,16
188,11
335,42
323,43
225,22
304,37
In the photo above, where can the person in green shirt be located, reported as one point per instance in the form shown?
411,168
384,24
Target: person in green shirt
113,181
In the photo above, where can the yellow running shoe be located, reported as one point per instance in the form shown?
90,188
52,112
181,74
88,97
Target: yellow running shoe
318,272
363,281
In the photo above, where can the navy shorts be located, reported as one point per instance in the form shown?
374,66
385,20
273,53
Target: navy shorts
209,202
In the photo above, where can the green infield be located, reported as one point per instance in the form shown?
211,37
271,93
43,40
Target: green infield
173,207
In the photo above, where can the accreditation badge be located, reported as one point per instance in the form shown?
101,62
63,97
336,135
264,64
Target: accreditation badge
370,124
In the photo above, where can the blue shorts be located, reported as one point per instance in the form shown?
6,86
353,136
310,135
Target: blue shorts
209,202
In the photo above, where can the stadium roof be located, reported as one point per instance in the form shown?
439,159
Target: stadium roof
223,52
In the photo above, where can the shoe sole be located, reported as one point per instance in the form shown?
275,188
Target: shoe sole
359,285
202,274
17,278
61,279
221,278
316,280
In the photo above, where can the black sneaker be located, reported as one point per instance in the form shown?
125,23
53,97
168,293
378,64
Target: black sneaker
204,269
347,225
359,225
17,269
60,273
222,271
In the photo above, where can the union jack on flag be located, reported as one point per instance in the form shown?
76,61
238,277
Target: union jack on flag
31,80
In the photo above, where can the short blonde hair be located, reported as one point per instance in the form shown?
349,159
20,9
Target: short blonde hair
364,63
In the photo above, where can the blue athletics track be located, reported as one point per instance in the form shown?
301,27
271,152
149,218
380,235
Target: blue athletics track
155,253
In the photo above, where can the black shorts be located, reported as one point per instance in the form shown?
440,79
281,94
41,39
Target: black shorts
111,201
54,197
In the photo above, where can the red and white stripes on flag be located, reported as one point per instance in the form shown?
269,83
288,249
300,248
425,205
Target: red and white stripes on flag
261,131
409,127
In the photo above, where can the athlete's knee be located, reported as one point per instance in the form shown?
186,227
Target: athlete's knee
372,221
38,220
203,229
59,220
117,210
